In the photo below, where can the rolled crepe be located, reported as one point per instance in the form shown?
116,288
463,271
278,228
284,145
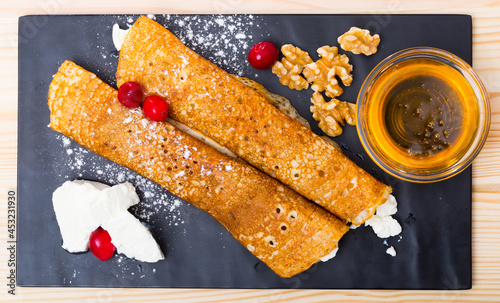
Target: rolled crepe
278,226
209,100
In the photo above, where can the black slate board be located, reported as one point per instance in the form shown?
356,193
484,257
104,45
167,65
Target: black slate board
433,252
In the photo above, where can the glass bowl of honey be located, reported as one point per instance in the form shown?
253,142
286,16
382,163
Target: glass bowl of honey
423,114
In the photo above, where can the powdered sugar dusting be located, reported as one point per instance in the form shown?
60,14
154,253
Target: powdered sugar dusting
66,141
223,39
156,203
186,154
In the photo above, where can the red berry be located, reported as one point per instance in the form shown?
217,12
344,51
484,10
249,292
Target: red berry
263,55
100,244
130,94
155,108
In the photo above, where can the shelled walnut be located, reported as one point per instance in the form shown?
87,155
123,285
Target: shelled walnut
332,115
358,41
290,67
322,73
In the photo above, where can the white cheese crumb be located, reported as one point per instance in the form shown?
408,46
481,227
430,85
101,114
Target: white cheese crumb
384,227
389,208
118,36
382,223
391,251
330,255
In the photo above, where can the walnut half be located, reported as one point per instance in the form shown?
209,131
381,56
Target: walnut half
332,115
358,41
289,68
322,73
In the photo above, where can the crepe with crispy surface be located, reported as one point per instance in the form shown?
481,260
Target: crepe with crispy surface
206,98
280,227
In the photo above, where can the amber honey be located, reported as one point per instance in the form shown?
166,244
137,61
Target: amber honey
422,114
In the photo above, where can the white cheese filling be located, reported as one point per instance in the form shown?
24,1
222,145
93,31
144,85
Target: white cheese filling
382,222
330,255
82,206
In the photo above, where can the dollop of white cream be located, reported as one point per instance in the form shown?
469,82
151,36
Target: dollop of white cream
330,255
82,206
382,223
118,36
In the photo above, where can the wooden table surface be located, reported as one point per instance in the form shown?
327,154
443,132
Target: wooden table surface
486,169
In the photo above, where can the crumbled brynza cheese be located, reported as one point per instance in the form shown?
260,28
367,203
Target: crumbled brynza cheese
391,251
118,36
330,255
382,223
82,206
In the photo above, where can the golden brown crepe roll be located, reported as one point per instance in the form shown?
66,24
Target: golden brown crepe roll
277,225
206,98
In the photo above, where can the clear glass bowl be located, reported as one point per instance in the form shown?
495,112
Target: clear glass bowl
378,125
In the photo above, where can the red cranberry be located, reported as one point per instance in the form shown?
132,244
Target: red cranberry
155,108
130,94
100,244
263,55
